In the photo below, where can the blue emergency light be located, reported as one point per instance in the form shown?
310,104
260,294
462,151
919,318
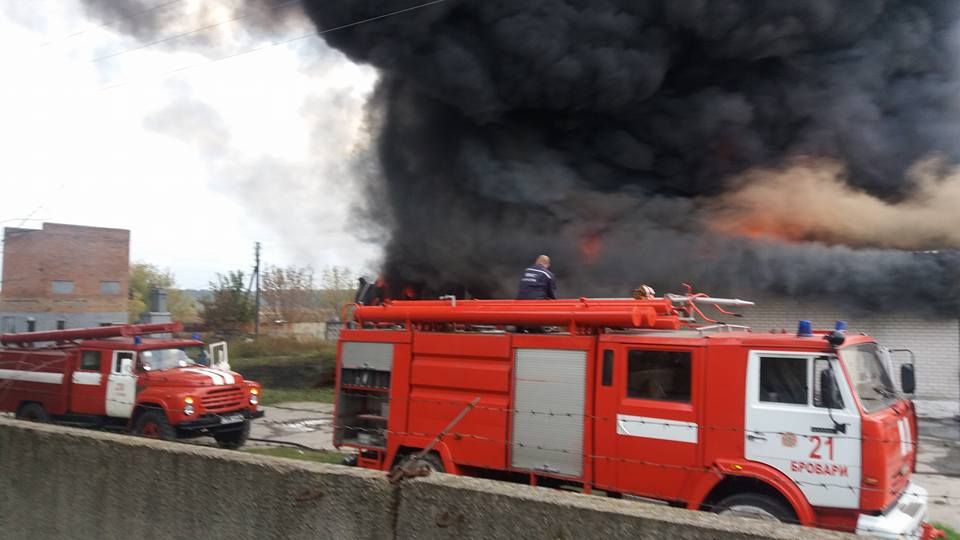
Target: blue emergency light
804,329
137,340
841,326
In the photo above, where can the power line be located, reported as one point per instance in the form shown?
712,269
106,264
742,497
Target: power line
108,24
190,32
273,44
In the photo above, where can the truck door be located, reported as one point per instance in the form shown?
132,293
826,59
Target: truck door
789,426
218,355
87,388
654,406
121,385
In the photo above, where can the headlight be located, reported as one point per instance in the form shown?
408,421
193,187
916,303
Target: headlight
254,396
188,406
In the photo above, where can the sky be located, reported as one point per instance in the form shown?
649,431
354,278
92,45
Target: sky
198,155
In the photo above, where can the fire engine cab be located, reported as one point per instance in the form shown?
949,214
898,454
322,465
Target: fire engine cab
114,377
632,397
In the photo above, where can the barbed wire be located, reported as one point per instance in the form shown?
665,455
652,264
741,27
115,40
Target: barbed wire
654,492
5,384
618,459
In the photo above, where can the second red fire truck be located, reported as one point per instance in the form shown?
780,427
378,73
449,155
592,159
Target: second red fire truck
116,377
630,397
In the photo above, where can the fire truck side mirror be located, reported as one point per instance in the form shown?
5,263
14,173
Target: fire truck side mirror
907,380
126,366
828,390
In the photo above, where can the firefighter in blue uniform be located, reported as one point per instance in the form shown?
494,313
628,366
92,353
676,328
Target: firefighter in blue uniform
537,282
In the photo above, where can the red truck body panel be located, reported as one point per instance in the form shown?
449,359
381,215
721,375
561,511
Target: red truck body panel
80,377
572,401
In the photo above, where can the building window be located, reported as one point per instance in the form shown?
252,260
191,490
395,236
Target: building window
659,375
60,286
109,287
31,325
90,361
783,380
61,324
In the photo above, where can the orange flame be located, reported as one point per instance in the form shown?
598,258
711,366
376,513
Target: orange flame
590,247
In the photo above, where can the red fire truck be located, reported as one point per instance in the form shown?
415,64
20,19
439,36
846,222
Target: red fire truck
633,397
113,377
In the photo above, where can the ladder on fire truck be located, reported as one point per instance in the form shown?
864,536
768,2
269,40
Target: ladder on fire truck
582,315
100,332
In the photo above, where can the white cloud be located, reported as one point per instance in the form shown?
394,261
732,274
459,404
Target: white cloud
75,153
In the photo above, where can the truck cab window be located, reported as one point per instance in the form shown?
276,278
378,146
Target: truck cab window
119,360
90,360
783,380
659,375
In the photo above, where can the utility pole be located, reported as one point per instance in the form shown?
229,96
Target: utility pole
256,297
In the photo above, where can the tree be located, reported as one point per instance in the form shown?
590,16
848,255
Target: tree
143,278
230,306
338,287
288,294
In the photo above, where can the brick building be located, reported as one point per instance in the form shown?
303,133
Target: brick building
935,341
64,276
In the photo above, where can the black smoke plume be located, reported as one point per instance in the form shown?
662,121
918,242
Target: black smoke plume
604,132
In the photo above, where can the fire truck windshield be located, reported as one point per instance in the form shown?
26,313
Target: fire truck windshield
161,359
869,376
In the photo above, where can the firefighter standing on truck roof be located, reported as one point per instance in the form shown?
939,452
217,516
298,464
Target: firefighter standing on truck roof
537,282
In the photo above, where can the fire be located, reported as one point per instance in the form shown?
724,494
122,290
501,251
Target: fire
590,247
812,201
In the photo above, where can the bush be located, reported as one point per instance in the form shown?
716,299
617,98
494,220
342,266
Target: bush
280,346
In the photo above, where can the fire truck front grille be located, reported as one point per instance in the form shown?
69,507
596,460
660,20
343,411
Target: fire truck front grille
223,399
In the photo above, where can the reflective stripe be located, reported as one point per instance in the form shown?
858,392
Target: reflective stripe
86,378
215,379
657,428
544,272
31,376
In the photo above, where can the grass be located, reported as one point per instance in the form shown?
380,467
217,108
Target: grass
277,346
951,533
295,453
272,396
287,369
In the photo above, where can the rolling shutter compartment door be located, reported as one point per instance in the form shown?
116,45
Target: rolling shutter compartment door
549,380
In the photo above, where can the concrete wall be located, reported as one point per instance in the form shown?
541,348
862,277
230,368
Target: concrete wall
935,341
65,483
17,321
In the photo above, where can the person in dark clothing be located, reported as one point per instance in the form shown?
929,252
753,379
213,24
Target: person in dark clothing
537,282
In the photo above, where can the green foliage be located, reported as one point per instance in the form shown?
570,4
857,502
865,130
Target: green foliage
230,306
274,395
338,287
289,370
951,533
280,346
287,294
143,278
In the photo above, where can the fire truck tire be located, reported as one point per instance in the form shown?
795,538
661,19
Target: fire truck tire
33,412
755,506
154,424
232,440
433,462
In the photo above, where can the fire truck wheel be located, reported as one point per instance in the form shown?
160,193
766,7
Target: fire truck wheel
154,425
433,462
755,506
33,412
232,440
